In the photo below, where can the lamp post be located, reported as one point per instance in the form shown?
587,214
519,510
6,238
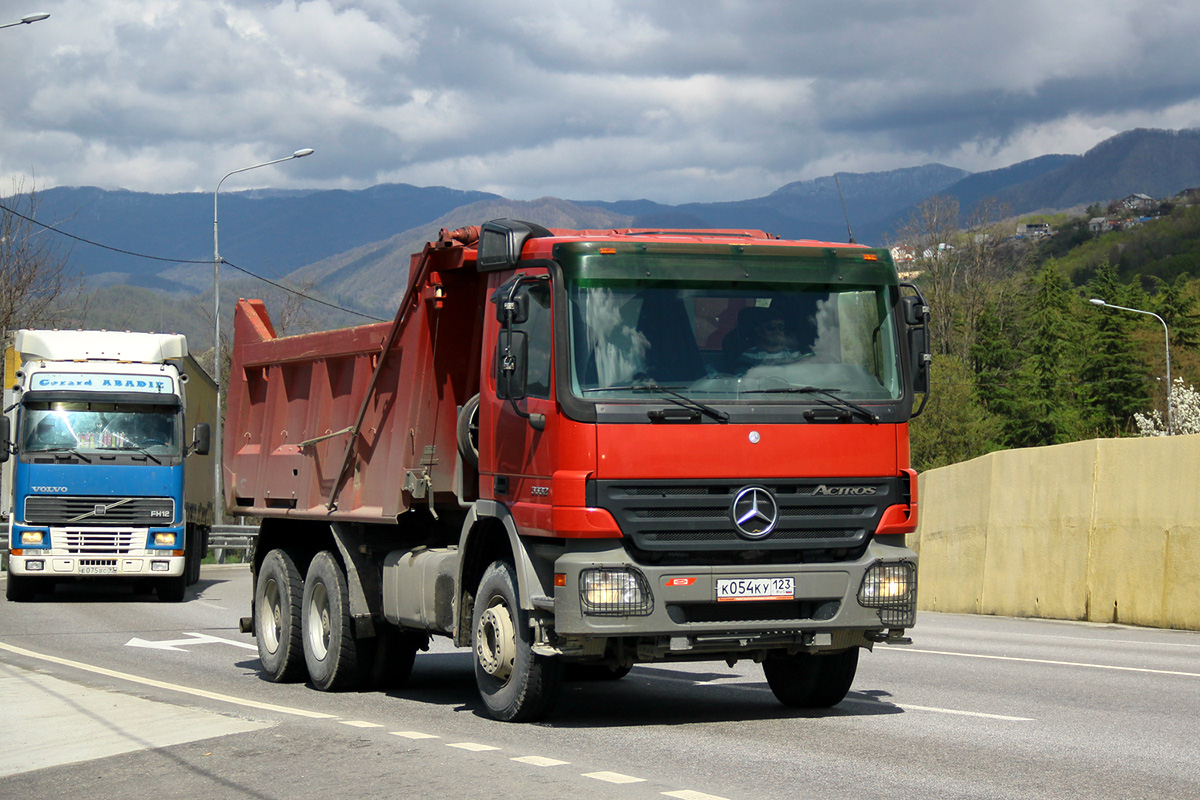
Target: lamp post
1167,335
219,511
28,19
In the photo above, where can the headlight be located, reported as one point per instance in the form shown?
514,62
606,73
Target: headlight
615,592
891,587
32,537
164,539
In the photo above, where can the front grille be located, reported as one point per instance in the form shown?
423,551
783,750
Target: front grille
695,517
83,543
98,511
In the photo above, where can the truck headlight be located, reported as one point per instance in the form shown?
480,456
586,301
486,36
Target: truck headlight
164,539
32,538
891,587
615,592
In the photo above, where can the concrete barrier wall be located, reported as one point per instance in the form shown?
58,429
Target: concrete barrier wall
1106,530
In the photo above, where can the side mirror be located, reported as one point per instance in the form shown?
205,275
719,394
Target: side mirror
512,365
915,310
512,310
201,439
5,431
918,351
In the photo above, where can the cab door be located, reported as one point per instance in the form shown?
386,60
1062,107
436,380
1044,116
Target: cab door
518,420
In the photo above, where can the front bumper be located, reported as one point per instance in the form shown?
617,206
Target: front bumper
684,614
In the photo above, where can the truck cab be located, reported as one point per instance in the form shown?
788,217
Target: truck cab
96,441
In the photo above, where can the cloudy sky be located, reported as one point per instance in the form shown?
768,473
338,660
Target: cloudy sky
671,100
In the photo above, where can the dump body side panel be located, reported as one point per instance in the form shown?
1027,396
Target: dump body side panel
294,404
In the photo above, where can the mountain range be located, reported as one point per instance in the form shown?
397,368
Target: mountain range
352,247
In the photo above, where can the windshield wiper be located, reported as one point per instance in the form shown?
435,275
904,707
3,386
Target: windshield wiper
74,452
673,394
131,447
842,403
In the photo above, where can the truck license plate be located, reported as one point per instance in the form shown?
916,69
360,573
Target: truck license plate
98,570
730,589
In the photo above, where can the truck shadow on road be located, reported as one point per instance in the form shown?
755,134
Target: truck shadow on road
646,696
115,590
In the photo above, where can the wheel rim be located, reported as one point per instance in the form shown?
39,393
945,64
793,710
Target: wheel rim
495,642
318,622
271,619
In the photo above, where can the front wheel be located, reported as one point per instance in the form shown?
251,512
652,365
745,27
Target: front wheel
171,590
811,680
516,684
18,588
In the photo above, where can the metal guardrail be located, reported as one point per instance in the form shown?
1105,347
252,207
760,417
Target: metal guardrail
240,538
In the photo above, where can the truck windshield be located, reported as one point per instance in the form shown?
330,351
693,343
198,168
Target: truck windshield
732,341
101,427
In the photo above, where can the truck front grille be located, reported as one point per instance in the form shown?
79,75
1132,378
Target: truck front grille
818,519
61,510
98,543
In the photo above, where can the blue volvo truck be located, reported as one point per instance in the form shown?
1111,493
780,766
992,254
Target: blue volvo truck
98,434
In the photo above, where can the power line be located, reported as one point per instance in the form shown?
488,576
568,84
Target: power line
134,254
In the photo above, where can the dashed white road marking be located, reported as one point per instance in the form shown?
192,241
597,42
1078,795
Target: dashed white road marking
953,711
541,761
358,723
613,777
415,735
473,746
688,794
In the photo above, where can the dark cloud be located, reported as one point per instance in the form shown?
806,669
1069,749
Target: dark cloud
612,99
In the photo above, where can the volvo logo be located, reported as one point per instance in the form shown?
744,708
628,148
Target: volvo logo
754,512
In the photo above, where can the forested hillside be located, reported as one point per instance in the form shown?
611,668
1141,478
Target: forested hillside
1022,358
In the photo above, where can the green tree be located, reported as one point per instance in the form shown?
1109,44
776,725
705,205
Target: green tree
1114,376
955,425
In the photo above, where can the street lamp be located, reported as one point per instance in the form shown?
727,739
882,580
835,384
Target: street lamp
1167,334
219,511
28,19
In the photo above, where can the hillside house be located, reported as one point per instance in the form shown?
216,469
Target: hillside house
1034,229
1139,202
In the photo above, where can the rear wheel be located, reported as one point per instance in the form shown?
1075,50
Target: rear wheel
278,593
810,680
331,653
516,684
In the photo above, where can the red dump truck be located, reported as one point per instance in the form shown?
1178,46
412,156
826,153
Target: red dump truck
577,451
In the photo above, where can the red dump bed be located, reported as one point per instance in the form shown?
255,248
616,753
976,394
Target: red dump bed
307,414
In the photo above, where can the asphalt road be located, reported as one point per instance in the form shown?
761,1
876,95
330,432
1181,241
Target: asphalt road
108,693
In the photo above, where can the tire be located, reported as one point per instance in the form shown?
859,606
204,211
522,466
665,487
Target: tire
808,680
331,652
278,593
19,588
516,685
171,590
468,432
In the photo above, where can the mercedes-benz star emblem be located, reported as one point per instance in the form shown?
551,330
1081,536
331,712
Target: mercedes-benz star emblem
754,512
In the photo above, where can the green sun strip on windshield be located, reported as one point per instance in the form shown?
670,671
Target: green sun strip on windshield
584,261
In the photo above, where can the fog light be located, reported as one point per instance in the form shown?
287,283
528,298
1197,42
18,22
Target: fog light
891,587
164,539
35,566
33,537
159,566
615,592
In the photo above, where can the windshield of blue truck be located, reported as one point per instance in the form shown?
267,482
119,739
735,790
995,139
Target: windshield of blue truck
88,427
732,342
